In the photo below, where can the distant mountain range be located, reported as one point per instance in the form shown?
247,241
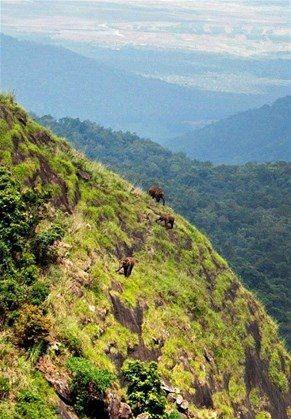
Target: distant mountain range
49,79
260,135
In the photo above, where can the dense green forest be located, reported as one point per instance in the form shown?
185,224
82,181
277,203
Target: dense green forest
257,135
244,209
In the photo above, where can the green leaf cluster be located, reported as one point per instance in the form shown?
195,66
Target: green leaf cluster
144,389
88,386
22,251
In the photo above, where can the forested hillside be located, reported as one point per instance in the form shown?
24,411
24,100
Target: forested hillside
244,209
76,337
257,135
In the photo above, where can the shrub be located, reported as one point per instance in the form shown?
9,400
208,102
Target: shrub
38,293
4,257
31,327
11,295
88,386
32,406
144,390
43,245
18,213
29,273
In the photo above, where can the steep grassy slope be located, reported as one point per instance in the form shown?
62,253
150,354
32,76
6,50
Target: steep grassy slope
257,135
243,209
182,307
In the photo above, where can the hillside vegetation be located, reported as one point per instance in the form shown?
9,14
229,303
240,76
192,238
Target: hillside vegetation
257,135
69,320
244,209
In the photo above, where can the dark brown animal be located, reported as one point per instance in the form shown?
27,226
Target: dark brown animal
126,265
168,219
157,193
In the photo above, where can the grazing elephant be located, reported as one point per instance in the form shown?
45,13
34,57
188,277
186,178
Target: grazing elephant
157,193
126,265
168,219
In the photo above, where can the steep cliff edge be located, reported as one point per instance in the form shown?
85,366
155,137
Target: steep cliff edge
181,307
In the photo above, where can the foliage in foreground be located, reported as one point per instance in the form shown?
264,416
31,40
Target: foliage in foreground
22,294
88,386
144,389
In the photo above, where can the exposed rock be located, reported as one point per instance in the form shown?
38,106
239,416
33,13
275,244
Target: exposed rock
65,411
143,416
49,176
132,318
137,191
113,404
125,411
143,353
184,405
231,293
167,388
21,116
203,396
84,175
208,356
63,250
172,397
41,137
179,399
254,330
256,375
18,155
6,115
58,380
102,313
209,276
76,290
81,277
113,350
61,387
117,409
116,286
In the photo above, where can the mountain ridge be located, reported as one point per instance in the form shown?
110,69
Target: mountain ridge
90,89
258,135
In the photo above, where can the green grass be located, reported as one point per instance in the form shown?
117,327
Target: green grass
187,308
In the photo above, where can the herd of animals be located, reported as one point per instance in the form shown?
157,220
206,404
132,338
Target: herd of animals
157,193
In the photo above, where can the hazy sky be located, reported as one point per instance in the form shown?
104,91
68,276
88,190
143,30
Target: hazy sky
243,28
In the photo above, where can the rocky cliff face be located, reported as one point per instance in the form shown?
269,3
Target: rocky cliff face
217,351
